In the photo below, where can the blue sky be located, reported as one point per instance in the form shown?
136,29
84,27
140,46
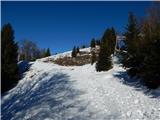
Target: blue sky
61,25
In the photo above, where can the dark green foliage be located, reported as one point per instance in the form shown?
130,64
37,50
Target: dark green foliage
93,58
9,74
83,46
104,61
121,56
93,43
77,50
21,57
74,52
48,53
109,38
143,46
150,50
113,40
106,49
132,35
132,40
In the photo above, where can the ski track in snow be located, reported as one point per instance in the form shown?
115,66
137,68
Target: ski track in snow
52,92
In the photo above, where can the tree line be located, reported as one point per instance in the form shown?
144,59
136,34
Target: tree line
143,47
142,56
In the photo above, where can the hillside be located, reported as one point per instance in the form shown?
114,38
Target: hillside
52,92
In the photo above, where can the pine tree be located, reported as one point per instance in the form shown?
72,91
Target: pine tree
9,58
132,59
83,46
104,61
150,49
109,38
77,50
48,52
93,58
74,53
113,40
132,34
93,43
143,57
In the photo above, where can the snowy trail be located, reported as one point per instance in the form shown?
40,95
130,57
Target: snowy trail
49,91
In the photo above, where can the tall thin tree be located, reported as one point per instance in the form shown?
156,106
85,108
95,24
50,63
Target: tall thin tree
9,58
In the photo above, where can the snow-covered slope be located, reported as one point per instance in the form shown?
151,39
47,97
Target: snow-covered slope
65,54
52,92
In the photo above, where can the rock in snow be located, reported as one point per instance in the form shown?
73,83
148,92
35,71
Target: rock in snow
52,92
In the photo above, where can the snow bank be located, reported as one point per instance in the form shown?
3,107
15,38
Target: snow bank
65,54
52,92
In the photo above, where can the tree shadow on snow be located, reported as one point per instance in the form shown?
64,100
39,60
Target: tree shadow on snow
23,66
136,83
55,98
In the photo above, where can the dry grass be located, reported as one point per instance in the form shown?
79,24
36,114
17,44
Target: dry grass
77,61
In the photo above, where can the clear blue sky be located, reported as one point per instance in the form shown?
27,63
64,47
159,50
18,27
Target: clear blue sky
61,25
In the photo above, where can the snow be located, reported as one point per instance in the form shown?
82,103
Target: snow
52,92
24,66
65,54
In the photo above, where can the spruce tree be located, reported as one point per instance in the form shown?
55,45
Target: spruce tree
104,61
132,34
9,58
77,50
48,52
113,40
93,43
109,38
143,56
150,49
83,46
74,53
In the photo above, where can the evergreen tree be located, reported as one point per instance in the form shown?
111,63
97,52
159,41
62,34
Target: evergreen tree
93,43
83,46
150,48
77,50
132,34
109,38
9,58
48,52
93,58
74,53
143,56
113,40
104,61
132,59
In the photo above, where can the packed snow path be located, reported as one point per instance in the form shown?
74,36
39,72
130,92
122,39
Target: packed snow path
52,92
